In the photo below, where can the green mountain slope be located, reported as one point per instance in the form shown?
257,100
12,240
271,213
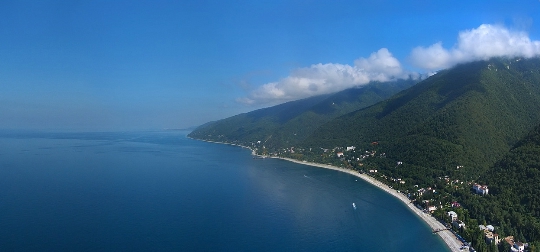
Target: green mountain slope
289,123
469,115
514,202
474,123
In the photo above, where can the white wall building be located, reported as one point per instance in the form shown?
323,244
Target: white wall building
481,189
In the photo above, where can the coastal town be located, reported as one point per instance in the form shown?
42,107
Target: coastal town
446,216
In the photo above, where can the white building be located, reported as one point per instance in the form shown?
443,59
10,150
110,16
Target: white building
518,246
453,216
491,237
481,189
459,224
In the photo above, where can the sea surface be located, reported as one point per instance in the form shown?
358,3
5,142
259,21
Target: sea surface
161,191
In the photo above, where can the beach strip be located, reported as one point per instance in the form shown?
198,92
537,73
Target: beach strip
448,237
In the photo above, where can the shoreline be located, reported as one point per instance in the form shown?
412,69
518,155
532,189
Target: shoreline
447,236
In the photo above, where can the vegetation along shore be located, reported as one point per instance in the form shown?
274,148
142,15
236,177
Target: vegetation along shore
463,145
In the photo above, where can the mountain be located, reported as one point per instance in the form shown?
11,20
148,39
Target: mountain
470,115
289,123
514,183
474,123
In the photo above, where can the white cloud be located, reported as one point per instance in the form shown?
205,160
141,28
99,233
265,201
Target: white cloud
328,78
481,43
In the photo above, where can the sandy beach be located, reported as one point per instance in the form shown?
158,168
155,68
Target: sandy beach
449,238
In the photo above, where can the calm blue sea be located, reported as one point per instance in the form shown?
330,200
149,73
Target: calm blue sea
160,191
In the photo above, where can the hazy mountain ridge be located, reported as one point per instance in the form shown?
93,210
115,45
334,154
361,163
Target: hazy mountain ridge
469,115
289,123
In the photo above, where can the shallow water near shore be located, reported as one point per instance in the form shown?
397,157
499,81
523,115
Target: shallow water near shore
162,191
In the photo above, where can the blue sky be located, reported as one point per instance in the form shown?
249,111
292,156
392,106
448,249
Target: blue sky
137,65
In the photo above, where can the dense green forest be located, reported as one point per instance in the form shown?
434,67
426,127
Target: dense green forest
469,115
474,123
514,200
291,122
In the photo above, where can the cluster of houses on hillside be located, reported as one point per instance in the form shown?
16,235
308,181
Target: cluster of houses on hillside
421,191
489,234
353,155
365,155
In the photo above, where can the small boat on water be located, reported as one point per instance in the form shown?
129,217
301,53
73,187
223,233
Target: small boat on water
354,205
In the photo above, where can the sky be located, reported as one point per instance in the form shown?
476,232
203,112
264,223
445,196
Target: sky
151,65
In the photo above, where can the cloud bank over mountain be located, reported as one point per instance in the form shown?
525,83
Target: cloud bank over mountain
329,78
481,43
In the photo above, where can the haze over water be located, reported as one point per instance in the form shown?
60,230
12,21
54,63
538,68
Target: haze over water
161,191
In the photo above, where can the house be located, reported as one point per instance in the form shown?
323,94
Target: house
496,239
351,148
519,246
510,240
453,216
456,204
481,189
373,171
515,246
339,154
489,235
432,208
458,224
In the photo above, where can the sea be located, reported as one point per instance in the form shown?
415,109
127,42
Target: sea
161,191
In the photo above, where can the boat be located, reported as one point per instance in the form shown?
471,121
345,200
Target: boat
354,205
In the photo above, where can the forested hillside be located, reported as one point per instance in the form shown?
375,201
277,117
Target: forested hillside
470,115
289,123
474,123
514,200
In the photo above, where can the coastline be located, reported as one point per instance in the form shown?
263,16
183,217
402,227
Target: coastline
448,237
